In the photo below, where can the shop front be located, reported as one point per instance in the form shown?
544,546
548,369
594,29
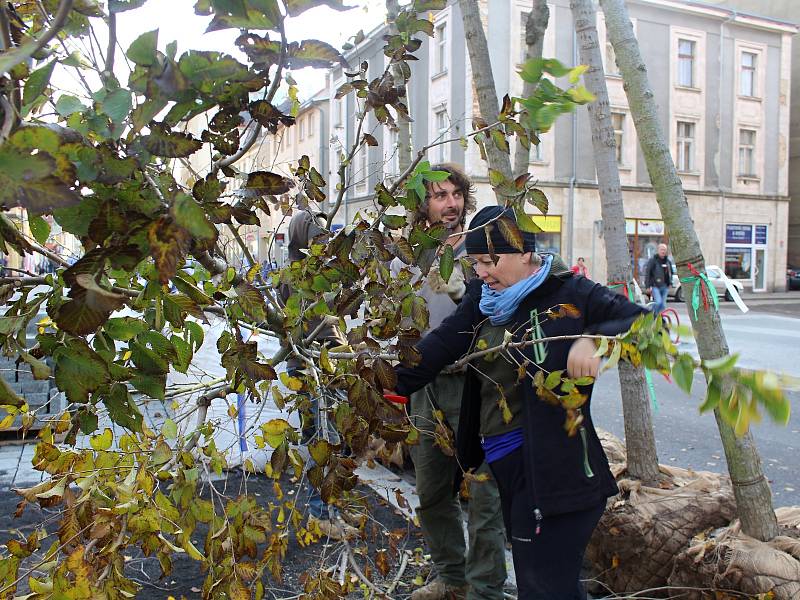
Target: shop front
746,254
644,236
549,239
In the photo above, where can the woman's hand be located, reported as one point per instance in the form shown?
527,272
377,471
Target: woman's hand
582,361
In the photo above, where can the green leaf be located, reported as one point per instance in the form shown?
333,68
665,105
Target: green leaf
143,49
67,105
393,221
298,7
169,429
150,385
8,396
446,263
27,181
251,301
189,215
721,365
79,370
525,222
37,83
683,372
713,395
39,228
171,144
122,409
125,328
315,54
538,198
117,6
580,95
531,71
117,105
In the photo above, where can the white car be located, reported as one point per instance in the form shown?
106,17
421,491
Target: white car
717,278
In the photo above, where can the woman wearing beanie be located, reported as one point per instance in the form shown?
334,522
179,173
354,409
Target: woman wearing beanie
553,487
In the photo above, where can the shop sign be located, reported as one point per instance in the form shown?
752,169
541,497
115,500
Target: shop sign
738,234
651,227
761,235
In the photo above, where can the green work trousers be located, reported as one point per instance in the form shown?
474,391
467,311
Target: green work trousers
483,565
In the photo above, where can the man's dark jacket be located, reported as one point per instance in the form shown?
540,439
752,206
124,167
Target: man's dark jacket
656,275
564,473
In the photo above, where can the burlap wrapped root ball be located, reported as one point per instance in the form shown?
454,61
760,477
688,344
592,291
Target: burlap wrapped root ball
731,560
644,528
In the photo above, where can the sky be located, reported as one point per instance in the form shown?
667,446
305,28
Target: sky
175,20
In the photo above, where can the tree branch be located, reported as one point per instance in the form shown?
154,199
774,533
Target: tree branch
23,53
273,88
112,44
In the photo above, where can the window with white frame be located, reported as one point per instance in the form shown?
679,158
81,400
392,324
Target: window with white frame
440,38
392,152
618,123
747,153
442,124
537,151
338,112
747,74
684,152
359,174
310,119
686,59
301,127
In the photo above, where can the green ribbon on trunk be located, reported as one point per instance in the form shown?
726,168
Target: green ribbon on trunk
701,291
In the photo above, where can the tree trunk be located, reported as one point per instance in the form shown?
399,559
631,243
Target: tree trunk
753,496
639,436
535,26
483,79
403,126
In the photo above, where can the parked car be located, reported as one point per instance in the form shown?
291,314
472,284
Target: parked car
792,278
717,278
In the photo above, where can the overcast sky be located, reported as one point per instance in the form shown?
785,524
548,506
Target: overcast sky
175,20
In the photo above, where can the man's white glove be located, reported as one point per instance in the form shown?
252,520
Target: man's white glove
454,288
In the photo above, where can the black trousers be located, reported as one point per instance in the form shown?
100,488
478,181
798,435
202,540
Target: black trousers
548,563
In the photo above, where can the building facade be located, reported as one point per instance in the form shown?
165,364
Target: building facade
722,82
787,10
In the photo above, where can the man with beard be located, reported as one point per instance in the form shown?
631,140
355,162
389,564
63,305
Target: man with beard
477,572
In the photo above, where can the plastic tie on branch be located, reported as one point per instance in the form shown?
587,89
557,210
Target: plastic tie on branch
702,290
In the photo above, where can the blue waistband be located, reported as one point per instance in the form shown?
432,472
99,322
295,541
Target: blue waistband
496,447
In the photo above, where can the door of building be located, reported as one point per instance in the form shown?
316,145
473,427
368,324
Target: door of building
760,274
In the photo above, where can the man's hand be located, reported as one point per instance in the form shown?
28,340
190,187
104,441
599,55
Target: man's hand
454,288
581,361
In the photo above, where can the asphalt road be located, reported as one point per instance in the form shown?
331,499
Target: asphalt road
767,338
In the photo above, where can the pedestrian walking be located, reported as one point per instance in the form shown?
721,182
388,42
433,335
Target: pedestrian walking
553,487
479,565
658,277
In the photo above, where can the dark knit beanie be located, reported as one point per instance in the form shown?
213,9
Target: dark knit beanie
476,240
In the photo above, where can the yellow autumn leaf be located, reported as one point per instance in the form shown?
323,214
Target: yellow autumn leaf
102,441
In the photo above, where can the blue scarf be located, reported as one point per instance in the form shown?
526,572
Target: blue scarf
501,306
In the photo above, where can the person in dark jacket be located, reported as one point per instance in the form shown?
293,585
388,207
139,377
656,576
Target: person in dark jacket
658,277
553,486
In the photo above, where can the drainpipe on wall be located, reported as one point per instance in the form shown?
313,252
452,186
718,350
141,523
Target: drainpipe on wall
718,155
573,179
